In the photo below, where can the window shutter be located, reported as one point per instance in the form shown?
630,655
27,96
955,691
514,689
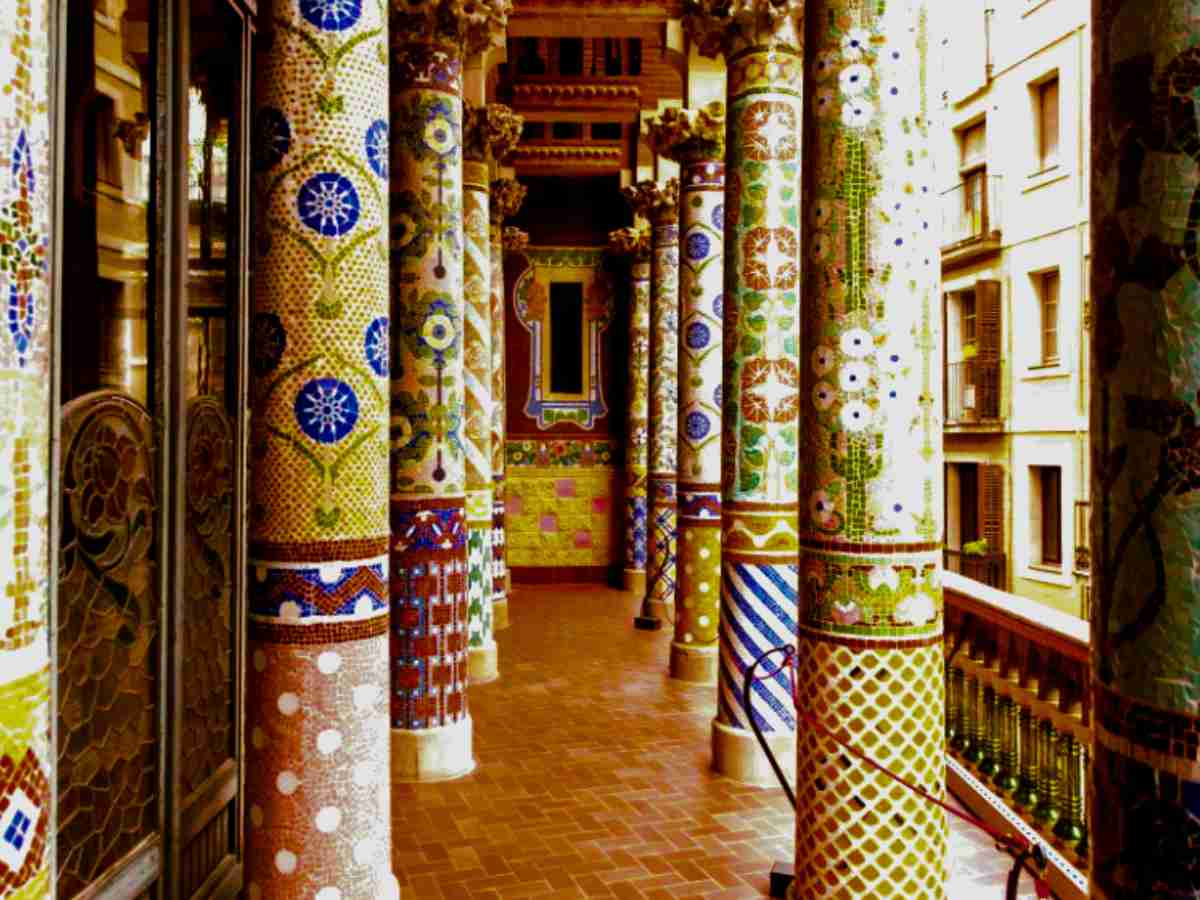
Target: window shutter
987,320
991,506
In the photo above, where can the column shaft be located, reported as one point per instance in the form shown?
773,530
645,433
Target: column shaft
1145,471
664,410
870,625
26,760
317,798
477,443
499,431
431,726
637,449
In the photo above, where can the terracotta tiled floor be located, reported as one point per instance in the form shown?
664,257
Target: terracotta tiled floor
593,778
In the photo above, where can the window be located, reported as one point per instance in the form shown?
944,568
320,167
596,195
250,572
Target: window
973,145
566,131
1047,284
566,337
606,131
533,131
529,59
635,56
570,56
612,56
104,134
1046,515
1047,122
966,313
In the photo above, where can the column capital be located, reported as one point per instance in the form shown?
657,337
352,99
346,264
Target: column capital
470,26
657,202
689,135
514,239
725,26
632,241
490,132
507,196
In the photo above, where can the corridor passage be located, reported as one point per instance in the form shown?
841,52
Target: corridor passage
593,778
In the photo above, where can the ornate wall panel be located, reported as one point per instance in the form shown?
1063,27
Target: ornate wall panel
317,796
26,763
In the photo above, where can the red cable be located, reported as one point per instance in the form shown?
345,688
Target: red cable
1017,842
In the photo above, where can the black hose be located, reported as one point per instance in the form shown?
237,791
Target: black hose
749,680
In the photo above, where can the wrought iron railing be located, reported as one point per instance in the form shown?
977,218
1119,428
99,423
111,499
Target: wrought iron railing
987,568
971,210
972,391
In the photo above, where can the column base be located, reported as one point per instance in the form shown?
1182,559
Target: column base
633,581
696,664
736,755
483,663
432,754
500,614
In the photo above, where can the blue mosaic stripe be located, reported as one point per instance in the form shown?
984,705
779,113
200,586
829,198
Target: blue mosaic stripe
353,589
758,613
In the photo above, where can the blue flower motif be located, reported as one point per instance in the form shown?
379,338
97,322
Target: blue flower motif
376,345
718,305
718,217
697,336
698,246
377,147
272,138
328,204
21,319
22,164
717,394
331,15
696,425
326,410
269,342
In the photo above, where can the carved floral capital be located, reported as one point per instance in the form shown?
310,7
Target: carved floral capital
514,239
490,132
633,242
657,202
720,26
507,196
471,25
689,135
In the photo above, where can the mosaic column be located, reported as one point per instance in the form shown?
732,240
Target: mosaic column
870,626
696,140
507,195
761,41
660,204
490,131
27,815
635,243
431,726
1145,449
318,803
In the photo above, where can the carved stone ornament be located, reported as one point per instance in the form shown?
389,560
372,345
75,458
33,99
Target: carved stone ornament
560,93
721,26
689,135
473,25
514,239
633,242
132,134
568,153
507,196
490,132
657,202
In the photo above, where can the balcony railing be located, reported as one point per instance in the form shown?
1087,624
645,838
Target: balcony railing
971,210
1018,721
972,391
986,568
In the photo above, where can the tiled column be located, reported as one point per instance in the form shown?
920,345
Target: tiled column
27,815
1145,449
431,727
507,195
317,790
696,140
870,629
761,41
660,204
635,243
490,131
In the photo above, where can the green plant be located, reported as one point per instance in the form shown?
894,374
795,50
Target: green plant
975,548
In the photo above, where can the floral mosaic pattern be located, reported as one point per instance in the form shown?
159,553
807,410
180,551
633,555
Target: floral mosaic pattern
868,394
1145,467
532,302
26,809
317,786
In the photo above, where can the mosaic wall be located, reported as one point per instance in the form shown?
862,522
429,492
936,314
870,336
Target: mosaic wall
1145,285
697,141
871,599
561,506
317,796
26,814
760,330
531,301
